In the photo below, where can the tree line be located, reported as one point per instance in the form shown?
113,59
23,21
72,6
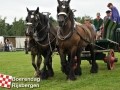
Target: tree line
18,27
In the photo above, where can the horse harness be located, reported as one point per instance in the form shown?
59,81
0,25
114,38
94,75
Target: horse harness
86,30
47,35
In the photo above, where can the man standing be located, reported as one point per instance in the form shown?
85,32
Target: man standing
115,14
108,15
98,21
26,46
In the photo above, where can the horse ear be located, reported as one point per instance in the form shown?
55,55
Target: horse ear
27,9
59,2
57,10
68,1
37,10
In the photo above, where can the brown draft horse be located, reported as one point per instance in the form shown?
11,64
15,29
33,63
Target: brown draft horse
42,41
72,39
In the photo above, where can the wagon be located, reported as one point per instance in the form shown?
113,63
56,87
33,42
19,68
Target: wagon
106,47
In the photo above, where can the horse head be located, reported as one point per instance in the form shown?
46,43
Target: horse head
32,20
63,12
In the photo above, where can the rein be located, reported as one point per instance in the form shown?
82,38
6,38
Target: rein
90,42
47,34
42,29
49,42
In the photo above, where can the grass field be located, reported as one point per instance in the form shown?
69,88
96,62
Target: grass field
18,64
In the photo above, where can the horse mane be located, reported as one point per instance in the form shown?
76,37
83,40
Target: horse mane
71,17
43,18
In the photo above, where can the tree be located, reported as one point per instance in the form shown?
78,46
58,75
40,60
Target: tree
18,27
81,19
3,27
53,21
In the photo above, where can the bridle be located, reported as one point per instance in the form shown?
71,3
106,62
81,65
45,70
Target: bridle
46,35
67,15
34,26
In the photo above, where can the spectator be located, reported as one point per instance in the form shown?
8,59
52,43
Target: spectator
115,14
1,46
26,46
6,45
10,46
98,21
87,22
108,15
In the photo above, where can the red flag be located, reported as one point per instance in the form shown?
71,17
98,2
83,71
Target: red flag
5,80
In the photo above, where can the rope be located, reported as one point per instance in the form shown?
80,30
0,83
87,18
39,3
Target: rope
90,42
45,44
49,42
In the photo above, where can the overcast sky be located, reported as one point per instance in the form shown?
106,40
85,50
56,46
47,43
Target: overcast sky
17,8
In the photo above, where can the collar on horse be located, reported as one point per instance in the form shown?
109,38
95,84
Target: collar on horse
64,37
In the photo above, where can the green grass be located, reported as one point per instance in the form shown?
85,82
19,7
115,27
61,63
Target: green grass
18,64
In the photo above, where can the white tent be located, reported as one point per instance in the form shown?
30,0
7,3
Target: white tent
2,39
20,42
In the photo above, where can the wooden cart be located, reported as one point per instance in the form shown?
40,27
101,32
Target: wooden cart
110,44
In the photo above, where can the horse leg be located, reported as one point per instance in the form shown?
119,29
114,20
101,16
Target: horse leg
94,68
71,75
44,72
78,70
38,63
50,69
33,63
64,64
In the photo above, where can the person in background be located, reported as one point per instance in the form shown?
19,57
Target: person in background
108,15
26,46
6,45
115,14
10,46
98,21
88,23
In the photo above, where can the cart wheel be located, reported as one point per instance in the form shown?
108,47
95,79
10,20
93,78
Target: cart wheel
110,59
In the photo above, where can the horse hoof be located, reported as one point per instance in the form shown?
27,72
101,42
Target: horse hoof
44,75
36,74
65,70
94,70
71,78
50,73
78,71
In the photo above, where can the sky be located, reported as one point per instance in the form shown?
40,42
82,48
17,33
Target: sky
17,8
